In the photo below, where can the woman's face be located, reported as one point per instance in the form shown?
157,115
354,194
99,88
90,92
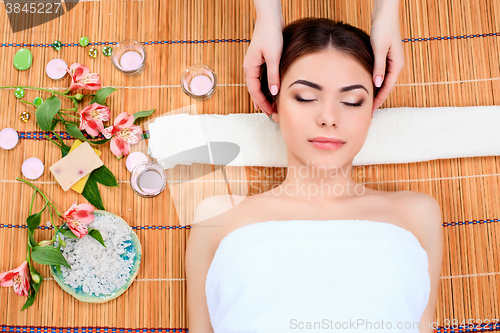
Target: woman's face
314,100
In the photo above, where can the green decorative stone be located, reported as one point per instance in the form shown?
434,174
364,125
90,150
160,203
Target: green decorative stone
23,59
19,93
56,45
107,50
38,101
92,53
84,41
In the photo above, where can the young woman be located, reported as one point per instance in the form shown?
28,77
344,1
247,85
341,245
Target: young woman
319,251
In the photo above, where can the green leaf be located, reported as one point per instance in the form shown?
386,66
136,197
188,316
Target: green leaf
36,286
58,268
53,125
94,233
67,233
46,112
101,94
104,176
32,242
65,150
30,300
99,142
141,114
48,255
145,135
75,132
33,221
91,193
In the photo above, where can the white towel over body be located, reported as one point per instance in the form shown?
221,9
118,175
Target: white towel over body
286,276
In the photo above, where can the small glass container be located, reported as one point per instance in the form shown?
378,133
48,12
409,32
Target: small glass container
199,81
129,57
148,179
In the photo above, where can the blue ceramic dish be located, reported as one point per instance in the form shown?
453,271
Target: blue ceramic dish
91,298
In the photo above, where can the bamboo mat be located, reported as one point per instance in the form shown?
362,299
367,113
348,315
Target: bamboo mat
452,53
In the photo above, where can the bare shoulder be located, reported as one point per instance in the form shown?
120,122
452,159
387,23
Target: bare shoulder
214,206
208,221
422,210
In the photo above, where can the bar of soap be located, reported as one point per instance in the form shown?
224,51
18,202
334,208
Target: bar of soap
76,165
80,185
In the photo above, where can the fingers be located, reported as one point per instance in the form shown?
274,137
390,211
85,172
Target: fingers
258,97
252,70
395,60
379,67
389,83
273,76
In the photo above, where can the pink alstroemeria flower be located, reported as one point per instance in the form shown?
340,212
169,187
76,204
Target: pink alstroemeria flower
18,278
82,78
77,217
122,134
92,116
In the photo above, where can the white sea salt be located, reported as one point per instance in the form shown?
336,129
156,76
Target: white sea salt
95,268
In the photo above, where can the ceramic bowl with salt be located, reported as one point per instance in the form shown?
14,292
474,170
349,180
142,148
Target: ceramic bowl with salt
88,283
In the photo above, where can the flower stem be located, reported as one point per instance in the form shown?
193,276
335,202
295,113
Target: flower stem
52,221
28,244
31,205
43,195
75,102
62,120
46,136
73,109
68,115
58,137
28,103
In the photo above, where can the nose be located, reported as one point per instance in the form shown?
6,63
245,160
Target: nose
329,116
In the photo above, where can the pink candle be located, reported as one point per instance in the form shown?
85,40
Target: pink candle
8,138
56,69
135,158
150,181
32,168
130,60
200,85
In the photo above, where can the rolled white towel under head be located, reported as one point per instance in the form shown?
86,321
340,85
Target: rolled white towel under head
397,135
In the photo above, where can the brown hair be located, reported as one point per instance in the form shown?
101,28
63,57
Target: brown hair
311,35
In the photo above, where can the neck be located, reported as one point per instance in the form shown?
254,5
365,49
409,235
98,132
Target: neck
319,183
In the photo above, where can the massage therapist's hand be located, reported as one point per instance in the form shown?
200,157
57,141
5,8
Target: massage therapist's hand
266,46
385,37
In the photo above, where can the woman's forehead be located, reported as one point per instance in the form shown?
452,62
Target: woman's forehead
324,67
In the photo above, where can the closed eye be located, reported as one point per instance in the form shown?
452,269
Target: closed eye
311,100
353,104
303,100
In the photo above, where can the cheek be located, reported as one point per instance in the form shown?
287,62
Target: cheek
359,126
291,121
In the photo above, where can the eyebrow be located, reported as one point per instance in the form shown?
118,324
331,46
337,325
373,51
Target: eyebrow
318,87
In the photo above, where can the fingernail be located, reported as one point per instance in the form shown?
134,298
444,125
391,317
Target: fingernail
255,106
378,81
274,89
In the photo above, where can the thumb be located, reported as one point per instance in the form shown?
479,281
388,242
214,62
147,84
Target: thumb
379,68
273,76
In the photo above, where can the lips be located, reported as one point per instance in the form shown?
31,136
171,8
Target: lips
327,145
327,139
